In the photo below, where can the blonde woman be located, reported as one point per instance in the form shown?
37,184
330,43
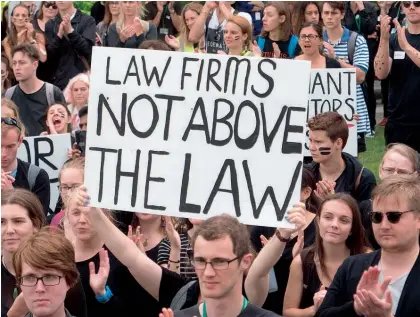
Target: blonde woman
189,15
77,94
130,31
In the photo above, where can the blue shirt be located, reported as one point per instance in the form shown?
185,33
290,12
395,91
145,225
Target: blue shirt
360,60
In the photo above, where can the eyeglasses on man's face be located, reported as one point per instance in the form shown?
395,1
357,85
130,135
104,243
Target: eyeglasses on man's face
392,216
216,264
407,4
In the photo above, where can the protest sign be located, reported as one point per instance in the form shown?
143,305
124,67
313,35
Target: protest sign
196,135
49,153
334,90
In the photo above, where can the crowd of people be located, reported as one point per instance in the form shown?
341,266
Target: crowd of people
354,249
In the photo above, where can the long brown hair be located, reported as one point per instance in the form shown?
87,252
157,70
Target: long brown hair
285,27
356,242
298,16
12,32
193,6
308,181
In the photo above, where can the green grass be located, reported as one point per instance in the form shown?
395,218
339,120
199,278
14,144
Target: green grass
375,150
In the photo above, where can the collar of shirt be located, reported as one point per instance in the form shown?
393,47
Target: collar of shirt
74,13
344,38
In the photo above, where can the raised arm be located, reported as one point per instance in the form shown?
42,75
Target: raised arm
383,61
257,280
146,272
197,29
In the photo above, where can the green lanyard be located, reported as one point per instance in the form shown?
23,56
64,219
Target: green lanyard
244,304
357,18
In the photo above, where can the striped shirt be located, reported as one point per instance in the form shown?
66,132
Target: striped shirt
360,60
186,269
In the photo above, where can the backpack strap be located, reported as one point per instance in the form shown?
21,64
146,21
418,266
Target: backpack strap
351,46
261,42
50,93
292,46
9,92
181,296
357,183
33,172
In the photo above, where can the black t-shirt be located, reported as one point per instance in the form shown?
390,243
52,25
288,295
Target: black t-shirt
268,50
331,63
33,107
166,26
274,301
74,302
127,292
250,311
404,92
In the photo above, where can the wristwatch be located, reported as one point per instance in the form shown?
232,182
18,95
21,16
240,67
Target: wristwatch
282,239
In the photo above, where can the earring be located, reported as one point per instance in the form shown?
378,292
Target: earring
163,223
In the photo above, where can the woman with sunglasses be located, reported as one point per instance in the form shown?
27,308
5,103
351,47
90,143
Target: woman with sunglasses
398,159
340,234
112,14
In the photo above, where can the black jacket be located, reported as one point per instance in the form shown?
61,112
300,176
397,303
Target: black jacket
368,19
339,298
346,183
42,184
69,49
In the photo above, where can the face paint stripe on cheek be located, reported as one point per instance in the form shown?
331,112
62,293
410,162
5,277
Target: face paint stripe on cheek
325,150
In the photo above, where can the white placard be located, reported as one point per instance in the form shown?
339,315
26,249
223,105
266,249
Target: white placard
196,135
49,153
334,90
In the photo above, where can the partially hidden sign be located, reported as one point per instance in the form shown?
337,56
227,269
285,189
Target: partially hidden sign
334,90
49,153
195,135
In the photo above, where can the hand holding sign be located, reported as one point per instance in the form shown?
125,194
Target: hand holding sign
296,216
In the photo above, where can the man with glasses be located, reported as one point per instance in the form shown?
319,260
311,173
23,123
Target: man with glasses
19,174
399,56
386,282
45,270
222,255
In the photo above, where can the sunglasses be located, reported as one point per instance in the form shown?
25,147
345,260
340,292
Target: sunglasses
10,121
392,216
407,4
50,4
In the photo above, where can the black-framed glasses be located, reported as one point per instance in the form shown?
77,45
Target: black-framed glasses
407,4
308,36
392,216
51,4
216,264
10,121
47,280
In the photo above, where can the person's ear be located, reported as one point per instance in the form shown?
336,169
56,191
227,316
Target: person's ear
20,140
306,193
246,261
282,18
